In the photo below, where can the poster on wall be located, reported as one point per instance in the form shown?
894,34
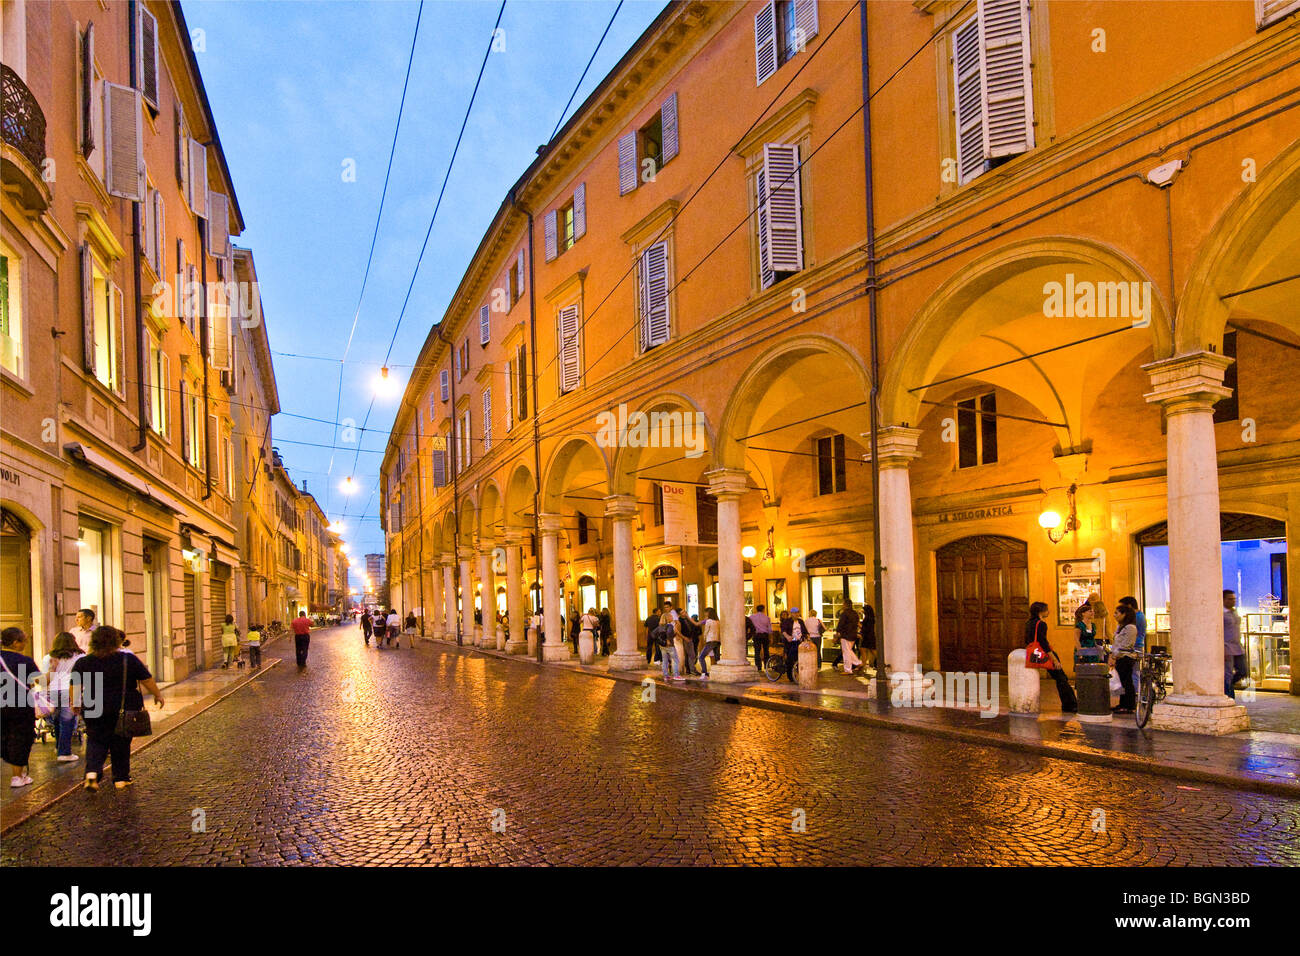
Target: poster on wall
681,525
1076,583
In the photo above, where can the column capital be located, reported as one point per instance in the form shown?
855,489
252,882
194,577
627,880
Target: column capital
1192,382
727,482
896,444
465,553
550,523
620,506
514,537
446,559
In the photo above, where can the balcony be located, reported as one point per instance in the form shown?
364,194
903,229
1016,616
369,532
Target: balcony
23,151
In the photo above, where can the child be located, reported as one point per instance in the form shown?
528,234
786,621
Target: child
230,640
254,640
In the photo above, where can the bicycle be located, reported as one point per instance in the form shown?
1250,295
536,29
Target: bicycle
1153,668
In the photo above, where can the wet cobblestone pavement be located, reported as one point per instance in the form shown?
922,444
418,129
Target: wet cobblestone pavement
434,756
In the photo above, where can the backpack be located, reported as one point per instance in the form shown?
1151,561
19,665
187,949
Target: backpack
663,634
689,628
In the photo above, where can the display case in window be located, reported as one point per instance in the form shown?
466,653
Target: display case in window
1266,637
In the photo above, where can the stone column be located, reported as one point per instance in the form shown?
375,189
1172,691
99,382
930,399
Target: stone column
449,597
518,642
622,510
1187,386
487,597
468,628
727,485
555,648
433,602
897,447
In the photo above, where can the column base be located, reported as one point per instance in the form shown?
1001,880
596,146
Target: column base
1196,714
627,661
516,647
907,688
556,652
486,638
730,672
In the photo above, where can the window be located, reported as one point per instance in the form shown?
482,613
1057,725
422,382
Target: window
779,197
90,117
993,102
652,295
159,384
101,305
977,431
95,570
583,529
440,461
444,384
521,373
657,504
782,28
147,56
1228,409
462,359
487,419
123,143
1268,12
564,226
463,456
484,325
191,425
155,229
11,312
228,466
510,397
569,333
642,153
830,464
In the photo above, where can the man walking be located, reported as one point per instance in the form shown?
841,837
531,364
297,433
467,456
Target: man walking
1234,655
651,648
366,625
301,638
762,635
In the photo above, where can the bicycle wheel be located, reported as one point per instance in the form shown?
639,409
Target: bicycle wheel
1146,698
774,668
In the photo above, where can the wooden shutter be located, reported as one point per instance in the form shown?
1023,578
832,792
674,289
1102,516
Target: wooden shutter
805,18
439,468
484,325
182,157
218,225
521,283
219,337
1268,12
87,308
521,370
147,52
1004,63
465,430
160,234
570,359
124,142
198,185
653,276
444,384
192,296
510,397
627,172
765,275
549,230
765,42
668,124
185,424
784,244
87,90
968,97
487,418
579,212
118,345
146,375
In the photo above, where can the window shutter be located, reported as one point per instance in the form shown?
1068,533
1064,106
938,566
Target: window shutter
465,435
87,90
1270,11
185,424
579,212
549,232
487,418
147,50
627,163
668,123
653,275
522,281
146,374
182,158
765,42
87,309
119,341
969,99
439,468
444,385
192,294
198,185
510,397
805,18
784,245
484,325
124,142
219,335
1004,62
521,370
765,275
570,360
147,237
219,225
160,233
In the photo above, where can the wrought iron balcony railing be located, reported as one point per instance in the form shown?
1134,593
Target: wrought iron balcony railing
24,123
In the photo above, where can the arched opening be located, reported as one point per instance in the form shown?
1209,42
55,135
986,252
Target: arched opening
16,574
983,601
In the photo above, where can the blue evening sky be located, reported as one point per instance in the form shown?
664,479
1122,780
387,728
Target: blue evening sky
300,87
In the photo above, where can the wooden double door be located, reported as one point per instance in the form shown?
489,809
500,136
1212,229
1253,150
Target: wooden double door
983,587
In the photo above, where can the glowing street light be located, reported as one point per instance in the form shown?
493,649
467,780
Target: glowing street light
385,385
348,486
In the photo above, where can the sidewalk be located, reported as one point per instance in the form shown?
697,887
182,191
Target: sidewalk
51,780
1265,759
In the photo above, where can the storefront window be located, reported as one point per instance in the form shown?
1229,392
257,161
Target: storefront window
643,602
586,593
95,569
693,599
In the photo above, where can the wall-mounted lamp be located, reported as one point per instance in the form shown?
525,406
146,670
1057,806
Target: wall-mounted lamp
748,552
1057,527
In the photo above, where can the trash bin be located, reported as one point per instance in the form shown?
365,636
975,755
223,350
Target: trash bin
1092,686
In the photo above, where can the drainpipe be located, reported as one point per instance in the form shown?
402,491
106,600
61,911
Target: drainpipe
203,348
141,357
454,460
532,374
873,322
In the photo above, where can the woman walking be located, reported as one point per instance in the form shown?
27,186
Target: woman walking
1036,630
712,641
18,712
410,625
109,683
58,679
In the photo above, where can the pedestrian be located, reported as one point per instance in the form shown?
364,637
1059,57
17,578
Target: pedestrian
687,633
762,635
651,648
1124,656
1137,613
589,624
847,629
794,630
665,635
109,683
867,634
83,627
58,673
254,639
1085,625
230,641
17,708
606,631
367,626
712,641
1036,630
411,623
575,628
1234,655
392,628
816,628
301,638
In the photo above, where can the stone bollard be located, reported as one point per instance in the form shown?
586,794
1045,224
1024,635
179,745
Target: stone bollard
1023,684
586,647
532,642
501,637
807,665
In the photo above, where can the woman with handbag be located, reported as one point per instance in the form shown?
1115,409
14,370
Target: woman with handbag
18,713
112,705
1040,654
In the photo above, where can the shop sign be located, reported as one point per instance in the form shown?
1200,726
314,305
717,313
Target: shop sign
10,477
681,526
974,514
849,569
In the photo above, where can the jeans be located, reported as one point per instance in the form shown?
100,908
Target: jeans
688,653
711,648
102,742
651,650
1234,669
761,649
300,644
1124,671
669,653
791,656
1069,703
255,655
65,722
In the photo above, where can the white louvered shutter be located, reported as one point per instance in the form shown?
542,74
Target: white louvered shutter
1004,63
765,42
570,359
124,143
653,286
627,177
1270,11
218,225
147,51
487,418
510,397
219,337
146,375
968,97
198,185
579,212
522,281
465,436
668,124
805,18
444,385
484,325
118,303
87,308
439,468
549,234
783,248
765,275
148,239
182,153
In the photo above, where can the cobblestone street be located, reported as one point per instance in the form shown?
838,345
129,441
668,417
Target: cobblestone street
400,757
